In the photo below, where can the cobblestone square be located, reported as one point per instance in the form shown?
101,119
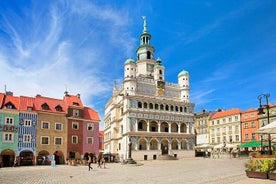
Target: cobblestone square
188,170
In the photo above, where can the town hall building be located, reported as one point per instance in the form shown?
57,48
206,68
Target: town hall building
151,116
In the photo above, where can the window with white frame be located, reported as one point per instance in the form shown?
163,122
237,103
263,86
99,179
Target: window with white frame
45,125
76,112
8,121
58,140
75,125
45,140
90,126
246,136
89,140
27,123
237,138
8,137
27,138
58,126
74,139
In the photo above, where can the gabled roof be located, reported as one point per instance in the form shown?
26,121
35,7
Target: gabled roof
11,100
72,101
26,102
52,103
90,114
225,113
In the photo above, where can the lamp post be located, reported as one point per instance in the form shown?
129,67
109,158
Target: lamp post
261,111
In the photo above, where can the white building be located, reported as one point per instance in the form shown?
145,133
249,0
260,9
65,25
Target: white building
153,115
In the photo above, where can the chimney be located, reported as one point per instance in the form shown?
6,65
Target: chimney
78,95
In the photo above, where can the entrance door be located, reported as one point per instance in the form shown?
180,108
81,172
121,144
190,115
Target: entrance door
164,149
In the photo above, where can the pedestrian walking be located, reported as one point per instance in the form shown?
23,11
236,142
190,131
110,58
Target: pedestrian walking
99,161
15,161
89,163
43,160
103,162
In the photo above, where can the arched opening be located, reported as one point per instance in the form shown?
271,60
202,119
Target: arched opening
153,144
145,105
26,158
7,157
174,144
40,156
164,147
151,106
148,55
167,107
139,104
172,107
161,107
142,126
183,128
153,126
184,144
156,107
142,144
164,127
174,127
59,157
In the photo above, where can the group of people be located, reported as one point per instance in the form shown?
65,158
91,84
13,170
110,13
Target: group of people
100,161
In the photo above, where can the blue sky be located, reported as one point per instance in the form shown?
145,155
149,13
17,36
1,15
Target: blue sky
228,47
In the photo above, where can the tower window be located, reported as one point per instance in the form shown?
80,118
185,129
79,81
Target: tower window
160,71
148,54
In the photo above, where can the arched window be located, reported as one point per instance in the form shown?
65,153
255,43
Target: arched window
139,104
148,54
151,106
162,107
145,105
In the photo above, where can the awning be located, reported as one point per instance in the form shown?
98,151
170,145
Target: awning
268,129
251,144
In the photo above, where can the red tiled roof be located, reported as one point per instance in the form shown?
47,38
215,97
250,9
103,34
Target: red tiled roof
90,114
225,113
11,99
1,99
71,100
51,102
26,102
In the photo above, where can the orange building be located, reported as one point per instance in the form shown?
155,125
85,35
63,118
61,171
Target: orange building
249,124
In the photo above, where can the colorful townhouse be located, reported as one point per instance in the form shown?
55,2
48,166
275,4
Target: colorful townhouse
34,127
52,128
27,131
249,125
9,123
225,127
83,128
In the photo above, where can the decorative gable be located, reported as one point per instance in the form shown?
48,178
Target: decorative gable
58,108
9,105
45,106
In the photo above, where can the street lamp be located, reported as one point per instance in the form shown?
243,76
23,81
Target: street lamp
261,112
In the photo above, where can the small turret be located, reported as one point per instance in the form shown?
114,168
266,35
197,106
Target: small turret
184,83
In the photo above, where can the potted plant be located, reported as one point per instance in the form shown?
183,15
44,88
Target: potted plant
272,171
256,169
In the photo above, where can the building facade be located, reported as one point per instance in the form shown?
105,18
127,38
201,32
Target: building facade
202,127
249,125
31,128
147,114
225,127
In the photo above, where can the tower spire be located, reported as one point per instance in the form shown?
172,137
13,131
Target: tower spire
145,24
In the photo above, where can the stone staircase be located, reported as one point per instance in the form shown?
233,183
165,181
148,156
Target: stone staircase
166,157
